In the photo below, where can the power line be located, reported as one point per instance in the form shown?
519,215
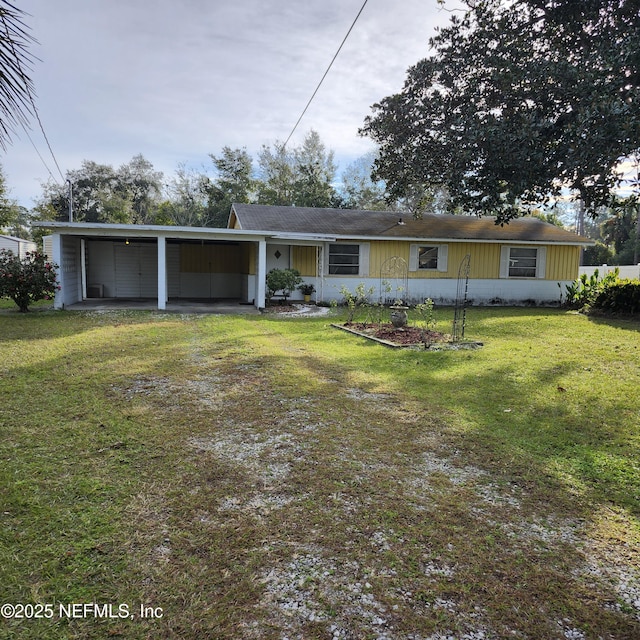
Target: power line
325,73
39,156
26,84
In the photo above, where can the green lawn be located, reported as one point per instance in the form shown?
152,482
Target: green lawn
269,477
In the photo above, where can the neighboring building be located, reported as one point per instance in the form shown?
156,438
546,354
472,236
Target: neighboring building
19,246
396,255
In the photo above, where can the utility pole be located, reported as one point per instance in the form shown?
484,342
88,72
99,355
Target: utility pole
70,200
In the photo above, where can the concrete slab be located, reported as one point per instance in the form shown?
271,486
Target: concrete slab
173,306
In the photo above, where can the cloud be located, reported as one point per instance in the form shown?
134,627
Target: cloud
177,81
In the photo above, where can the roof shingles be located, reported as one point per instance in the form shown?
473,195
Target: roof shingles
387,224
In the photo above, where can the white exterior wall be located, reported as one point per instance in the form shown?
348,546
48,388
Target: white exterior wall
626,271
17,245
443,290
66,253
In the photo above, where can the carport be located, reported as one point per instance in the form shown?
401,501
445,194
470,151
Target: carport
129,262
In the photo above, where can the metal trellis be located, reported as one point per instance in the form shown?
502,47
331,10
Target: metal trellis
460,309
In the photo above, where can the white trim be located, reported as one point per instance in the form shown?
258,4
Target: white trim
505,259
364,251
363,265
134,230
83,267
162,273
261,275
442,258
56,251
541,262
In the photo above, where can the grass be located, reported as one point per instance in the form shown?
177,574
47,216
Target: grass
268,477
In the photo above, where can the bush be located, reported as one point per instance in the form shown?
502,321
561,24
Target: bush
285,280
28,280
359,299
621,297
584,291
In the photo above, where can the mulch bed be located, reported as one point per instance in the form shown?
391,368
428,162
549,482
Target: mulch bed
388,334
405,335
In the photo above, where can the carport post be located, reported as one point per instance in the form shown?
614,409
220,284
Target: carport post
162,272
261,274
56,250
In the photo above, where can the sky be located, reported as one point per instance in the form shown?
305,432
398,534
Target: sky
176,81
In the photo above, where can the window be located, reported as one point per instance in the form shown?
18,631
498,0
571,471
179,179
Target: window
344,259
522,262
427,257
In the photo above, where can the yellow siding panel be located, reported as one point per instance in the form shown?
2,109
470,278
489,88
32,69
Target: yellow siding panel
485,259
562,261
208,258
304,260
381,251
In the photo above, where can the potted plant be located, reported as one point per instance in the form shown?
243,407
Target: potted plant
306,288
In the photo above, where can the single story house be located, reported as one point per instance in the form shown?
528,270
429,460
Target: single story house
19,246
393,254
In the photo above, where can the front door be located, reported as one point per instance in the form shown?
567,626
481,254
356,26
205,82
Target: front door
278,256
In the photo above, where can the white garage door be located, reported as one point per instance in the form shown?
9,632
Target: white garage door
136,270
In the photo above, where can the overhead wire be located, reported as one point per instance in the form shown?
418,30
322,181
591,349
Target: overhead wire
26,84
39,155
325,74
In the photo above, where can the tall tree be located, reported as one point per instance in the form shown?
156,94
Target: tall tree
519,100
315,171
141,185
276,175
16,87
233,182
358,190
301,176
187,204
100,193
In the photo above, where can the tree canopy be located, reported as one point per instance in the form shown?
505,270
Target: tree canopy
519,101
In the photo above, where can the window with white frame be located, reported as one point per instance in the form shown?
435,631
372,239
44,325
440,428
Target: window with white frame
428,257
522,262
344,259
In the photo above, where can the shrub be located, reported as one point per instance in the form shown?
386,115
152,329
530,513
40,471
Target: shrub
28,280
622,296
584,291
285,280
427,315
359,299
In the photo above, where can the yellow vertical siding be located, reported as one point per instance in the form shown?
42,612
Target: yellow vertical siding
381,251
304,260
562,261
210,258
485,258
251,258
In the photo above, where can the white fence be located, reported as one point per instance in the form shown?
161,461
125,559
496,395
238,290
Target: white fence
626,271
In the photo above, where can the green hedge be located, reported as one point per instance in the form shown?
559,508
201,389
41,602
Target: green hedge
622,296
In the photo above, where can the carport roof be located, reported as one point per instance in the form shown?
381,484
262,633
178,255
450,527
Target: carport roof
103,230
